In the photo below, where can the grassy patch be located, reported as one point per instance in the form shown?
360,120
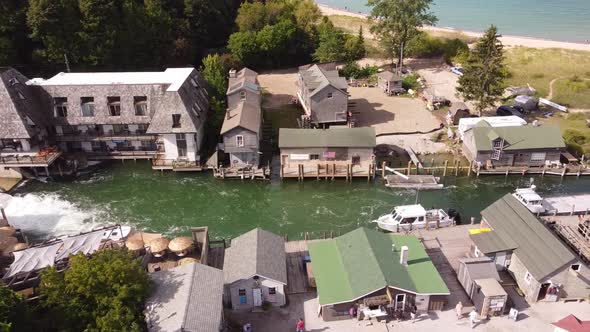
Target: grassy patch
574,128
350,24
284,117
538,67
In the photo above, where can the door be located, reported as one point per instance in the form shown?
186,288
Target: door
257,297
400,301
284,159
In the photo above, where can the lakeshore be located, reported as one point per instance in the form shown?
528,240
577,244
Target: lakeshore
507,40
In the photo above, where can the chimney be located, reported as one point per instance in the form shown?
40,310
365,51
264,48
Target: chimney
232,73
403,256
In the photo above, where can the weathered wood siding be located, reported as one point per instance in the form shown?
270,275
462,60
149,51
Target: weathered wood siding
342,154
249,284
230,142
329,110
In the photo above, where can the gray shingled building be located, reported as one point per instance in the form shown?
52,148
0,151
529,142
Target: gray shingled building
255,270
125,115
323,95
544,268
241,127
186,298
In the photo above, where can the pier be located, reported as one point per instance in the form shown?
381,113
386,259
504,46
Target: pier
570,204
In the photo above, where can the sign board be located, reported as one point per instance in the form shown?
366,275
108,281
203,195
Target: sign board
329,154
296,156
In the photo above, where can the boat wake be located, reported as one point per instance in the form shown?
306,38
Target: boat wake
42,216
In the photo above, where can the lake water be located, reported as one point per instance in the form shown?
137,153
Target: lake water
171,203
565,20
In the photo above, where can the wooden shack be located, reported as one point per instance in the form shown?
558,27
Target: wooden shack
479,278
390,83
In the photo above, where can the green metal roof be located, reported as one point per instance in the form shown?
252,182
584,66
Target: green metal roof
327,138
518,138
541,252
363,261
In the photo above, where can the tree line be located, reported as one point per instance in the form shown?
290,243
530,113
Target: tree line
47,35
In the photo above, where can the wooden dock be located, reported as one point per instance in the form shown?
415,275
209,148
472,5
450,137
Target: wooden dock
327,171
575,240
570,204
242,173
413,182
296,271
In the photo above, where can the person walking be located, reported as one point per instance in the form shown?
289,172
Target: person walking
459,310
473,318
300,325
413,313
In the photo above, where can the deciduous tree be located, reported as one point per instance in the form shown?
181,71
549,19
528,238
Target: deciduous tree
14,312
483,80
103,293
398,21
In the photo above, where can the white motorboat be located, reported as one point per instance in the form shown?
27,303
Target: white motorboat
408,217
117,233
530,199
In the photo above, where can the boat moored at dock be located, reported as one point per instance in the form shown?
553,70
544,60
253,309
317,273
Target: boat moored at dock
408,217
554,205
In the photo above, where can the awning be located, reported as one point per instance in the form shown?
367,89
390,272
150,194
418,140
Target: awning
33,259
85,243
569,157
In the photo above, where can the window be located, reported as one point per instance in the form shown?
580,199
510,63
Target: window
240,140
141,129
60,107
576,267
114,106
20,95
498,143
538,156
243,95
194,83
120,129
198,107
272,291
314,157
13,81
181,144
140,105
496,154
241,292
330,95
528,277
87,104
175,120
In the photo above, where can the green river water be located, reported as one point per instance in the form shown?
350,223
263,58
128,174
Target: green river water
171,203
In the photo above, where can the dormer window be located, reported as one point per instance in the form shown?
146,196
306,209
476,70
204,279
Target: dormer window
498,143
140,105
243,95
60,106
194,83
87,105
114,106
13,81
175,120
20,95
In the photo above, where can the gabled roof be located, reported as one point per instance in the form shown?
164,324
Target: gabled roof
480,268
316,78
257,252
245,114
245,78
571,323
518,138
364,260
332,137
491,242
186,298
388,76
541,252
18,104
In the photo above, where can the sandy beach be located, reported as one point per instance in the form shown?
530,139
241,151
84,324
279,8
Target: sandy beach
510,41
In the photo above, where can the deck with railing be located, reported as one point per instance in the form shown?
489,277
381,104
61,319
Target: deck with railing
179,165
23,160
77,136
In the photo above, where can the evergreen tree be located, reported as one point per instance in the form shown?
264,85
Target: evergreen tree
331,46
15,44
483,80
398,21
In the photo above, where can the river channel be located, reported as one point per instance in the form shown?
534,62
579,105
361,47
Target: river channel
171,203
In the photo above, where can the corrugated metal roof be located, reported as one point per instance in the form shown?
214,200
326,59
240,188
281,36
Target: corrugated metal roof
518,138
538,248
333,137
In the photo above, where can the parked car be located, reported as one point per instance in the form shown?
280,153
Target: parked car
509,110
458,71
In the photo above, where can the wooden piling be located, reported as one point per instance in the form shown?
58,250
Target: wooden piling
564,171
318,175
333,171
445,170
544,170
383,170
409,167
470,168
457,168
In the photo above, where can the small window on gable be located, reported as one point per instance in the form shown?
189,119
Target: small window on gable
240,140
272,291
498,143
13,81
576,267
60,105
241,292
243,95
175,120
330,95
528,277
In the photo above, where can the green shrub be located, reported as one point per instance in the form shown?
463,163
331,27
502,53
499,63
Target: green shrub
352,69
411,82
574,136
425,45
438,136
575,149
577,116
